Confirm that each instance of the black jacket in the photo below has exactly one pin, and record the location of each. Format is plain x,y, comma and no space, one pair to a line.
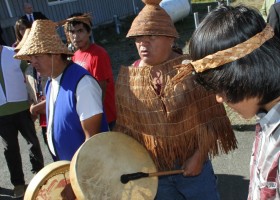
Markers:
36,15
2,42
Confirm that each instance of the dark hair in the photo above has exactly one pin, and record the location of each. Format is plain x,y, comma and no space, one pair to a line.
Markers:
254,75
177,49
19,23
74,23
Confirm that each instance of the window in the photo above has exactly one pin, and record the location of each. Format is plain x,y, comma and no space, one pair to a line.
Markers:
54,2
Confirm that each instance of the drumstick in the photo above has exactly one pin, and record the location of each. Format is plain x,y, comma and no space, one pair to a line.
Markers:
125,178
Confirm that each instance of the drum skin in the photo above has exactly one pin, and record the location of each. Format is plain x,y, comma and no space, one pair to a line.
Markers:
49,182
98,164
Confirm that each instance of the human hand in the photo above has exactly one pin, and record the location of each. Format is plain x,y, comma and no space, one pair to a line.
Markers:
42,98
33,110
68,193
193,165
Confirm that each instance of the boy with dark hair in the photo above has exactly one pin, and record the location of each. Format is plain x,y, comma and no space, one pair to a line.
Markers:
93,58
235,54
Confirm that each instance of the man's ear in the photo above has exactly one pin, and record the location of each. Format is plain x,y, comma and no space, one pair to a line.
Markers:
90,33
219,98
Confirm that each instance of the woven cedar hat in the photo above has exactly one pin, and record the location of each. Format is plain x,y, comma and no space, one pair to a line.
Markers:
152,20
24,38
84,18
42,39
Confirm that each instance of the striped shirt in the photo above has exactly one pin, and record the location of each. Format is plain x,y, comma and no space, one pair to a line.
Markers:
264,165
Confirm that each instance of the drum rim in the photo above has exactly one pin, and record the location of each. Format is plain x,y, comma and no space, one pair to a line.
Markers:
43,175
73,175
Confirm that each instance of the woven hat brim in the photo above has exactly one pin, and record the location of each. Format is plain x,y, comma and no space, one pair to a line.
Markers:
26,55
143,33
23,40
152,20
42,39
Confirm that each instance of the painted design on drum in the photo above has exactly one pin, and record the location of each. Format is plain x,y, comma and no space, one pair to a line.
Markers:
53,187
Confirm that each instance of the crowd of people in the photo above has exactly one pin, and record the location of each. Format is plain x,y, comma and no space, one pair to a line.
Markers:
176,113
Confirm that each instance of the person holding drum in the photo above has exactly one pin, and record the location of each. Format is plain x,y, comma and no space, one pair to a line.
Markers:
73,97
236,54
180,126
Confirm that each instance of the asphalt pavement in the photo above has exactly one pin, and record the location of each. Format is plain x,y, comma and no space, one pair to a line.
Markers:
232,170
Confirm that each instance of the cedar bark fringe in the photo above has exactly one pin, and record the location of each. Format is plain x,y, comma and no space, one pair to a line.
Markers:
173,124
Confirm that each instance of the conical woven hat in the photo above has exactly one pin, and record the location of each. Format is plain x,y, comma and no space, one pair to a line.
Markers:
152,20
23,40
42,39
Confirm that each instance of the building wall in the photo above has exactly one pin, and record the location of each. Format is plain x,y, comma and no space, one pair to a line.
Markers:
102,11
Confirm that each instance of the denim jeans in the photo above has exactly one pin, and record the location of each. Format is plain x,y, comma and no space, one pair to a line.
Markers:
179,187
10,125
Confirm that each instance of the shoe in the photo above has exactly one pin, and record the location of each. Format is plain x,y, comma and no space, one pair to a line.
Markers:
19,191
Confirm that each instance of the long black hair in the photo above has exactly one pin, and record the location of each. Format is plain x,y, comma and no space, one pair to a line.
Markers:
254,75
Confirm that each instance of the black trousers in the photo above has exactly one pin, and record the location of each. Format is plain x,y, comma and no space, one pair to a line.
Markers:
10,125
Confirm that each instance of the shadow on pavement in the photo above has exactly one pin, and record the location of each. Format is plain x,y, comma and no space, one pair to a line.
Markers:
232,187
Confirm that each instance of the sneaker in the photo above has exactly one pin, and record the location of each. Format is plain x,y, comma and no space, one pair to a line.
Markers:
19,191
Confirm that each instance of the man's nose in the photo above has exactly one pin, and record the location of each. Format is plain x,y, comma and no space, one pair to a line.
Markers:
75,36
